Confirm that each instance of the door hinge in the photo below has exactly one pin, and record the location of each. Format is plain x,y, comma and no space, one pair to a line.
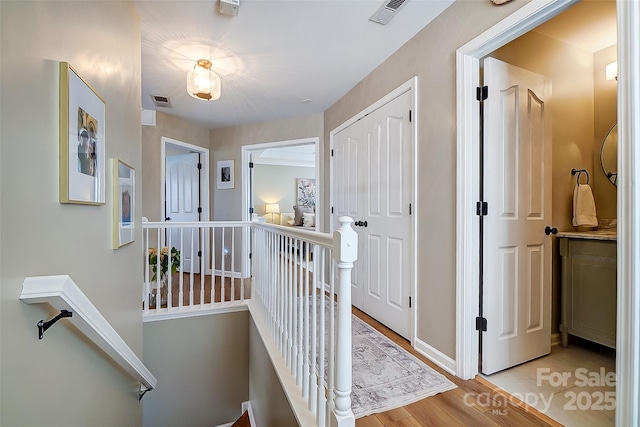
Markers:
409,302
199,210
331,209
199,165
409,208
199,253
481,324
250,165
250,210
249,255
482,208
409,116
332,152
482,93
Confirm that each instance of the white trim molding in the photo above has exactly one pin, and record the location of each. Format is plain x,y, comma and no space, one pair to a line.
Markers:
468,169
628,309
436,356
63,294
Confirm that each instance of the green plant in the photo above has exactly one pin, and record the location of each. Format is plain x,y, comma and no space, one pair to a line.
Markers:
164,261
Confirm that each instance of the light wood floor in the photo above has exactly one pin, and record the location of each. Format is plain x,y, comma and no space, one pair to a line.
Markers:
229,290
474,403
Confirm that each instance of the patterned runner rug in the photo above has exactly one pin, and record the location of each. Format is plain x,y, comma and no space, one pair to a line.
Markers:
385,376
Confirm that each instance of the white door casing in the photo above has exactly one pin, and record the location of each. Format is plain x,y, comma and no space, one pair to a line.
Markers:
182,203
372,183
517,188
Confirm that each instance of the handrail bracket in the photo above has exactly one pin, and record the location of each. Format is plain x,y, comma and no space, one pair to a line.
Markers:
43,326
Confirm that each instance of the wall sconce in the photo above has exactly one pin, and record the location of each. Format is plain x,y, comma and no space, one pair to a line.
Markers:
202,82
611,71
272,208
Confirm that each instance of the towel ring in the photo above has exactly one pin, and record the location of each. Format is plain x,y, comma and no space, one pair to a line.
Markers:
580,172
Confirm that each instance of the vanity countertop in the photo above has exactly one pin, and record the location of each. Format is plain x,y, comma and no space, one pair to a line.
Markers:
602,234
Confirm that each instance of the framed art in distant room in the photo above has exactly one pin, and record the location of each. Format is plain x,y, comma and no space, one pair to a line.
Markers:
224,174
82,140
306,192
124,184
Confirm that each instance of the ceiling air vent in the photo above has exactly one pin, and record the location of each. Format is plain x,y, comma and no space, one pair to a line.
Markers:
161,101
387,11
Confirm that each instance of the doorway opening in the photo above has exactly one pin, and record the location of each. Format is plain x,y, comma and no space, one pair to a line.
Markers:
184,178
281,165
566,151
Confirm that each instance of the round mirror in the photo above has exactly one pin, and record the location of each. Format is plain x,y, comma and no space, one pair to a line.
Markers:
609,155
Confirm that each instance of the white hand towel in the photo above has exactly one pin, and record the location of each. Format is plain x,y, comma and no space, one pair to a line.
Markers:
584,207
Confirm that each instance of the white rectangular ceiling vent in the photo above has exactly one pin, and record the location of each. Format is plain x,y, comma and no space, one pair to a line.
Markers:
387,11
161,101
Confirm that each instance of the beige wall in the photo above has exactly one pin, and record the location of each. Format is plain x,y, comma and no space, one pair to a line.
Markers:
430,55
226,144
605,116
63,379
572,105
205,372
268,400
277,184
170,127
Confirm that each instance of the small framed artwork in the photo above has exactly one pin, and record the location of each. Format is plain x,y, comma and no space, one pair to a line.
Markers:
224,174
124,184
82,142
307,192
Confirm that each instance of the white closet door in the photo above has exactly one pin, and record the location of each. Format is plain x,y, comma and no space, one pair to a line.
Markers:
372,182
347,166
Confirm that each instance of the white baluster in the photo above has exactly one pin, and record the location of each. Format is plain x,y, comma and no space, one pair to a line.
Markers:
321,408
345,252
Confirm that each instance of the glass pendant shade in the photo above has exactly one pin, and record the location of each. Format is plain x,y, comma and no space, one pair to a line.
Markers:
202,82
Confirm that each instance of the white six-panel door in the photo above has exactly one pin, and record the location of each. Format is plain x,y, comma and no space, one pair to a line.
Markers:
517,188
372,184
183,200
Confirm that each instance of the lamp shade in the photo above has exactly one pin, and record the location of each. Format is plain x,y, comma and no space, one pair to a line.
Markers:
202,82
272,208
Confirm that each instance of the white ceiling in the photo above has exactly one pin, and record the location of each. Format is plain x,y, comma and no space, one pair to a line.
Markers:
271,57
278,53
291,155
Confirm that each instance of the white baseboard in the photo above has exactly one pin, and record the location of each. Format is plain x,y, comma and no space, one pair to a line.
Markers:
246,406
436,356
228,273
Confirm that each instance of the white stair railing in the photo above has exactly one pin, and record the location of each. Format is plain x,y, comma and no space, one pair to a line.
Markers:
299,296
191,266
302,288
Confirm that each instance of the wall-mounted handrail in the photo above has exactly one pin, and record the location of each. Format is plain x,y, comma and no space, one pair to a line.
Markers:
63,294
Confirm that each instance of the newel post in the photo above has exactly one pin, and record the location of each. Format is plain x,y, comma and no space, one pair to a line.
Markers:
345,252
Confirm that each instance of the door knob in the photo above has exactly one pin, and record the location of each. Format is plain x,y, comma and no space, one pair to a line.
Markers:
168,218
358,223
548,230
365,224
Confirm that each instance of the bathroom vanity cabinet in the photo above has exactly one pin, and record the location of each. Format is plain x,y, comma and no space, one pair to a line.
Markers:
589,273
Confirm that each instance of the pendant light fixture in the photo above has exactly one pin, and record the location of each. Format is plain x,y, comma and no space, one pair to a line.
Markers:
202,82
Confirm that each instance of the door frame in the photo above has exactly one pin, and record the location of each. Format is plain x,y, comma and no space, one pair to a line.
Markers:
204,182
410,85
246,151
467,236
245,156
